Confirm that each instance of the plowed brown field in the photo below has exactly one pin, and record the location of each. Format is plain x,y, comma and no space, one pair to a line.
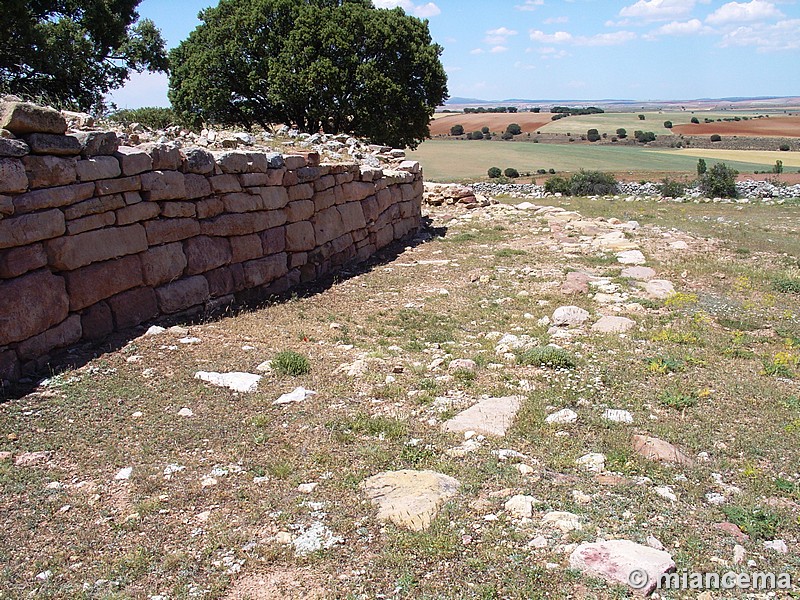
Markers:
766,127
529,122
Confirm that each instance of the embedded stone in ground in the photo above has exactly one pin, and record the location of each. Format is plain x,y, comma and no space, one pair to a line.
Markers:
631,257
520,506
562,417
492,416
570,315
238,382
576,283
614,241
563,521
408,498
638,273
611,324
660,289
659,450
623,562
618,415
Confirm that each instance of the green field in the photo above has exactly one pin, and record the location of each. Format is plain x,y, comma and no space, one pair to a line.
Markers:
653,121
456,160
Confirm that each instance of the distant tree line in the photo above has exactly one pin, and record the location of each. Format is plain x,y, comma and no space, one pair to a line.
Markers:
567,110
491,109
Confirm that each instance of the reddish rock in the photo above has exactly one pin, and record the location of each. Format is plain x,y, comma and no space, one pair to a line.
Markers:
163,185
26,229
300,237
732,529
204,253
264,270
243,247
300,210
49,171
241,202
71,252
96,321
253,179
13,178
176,210
303,191
221,281
324,183
135,213
294,161
576,283
161,231
133,161
163,264
18,261
98,167
23,117
273,197
133,307
658,450
97,143
210,207
225,184
243,224
273,240
199,161
53,197
30,305
166,157
182,294
352,216
60,336
90,223
328,225
197,186
325,199
9,366
99,281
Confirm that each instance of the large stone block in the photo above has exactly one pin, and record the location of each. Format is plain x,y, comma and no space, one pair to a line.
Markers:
18,261
166,157
133,161
358,190
6,206
94,206
242,202
91,222
232,161
26,229
9,366
76,251
97,143
221,282
135,213
182,294
205,253
199,161
328,225
274,197
172,210
133,307
119,186
325,199
13,178
370,208
352,216
13,148
53,197
264,270
243,247
302,191
98,167
225,184
254,179
161,231
300,210
23,117
243,224
163,185
97,321
30,305
197,186
58,145
324,183
294,161
210,207
60,336
300,237
273,240
99,281
49,171
163,264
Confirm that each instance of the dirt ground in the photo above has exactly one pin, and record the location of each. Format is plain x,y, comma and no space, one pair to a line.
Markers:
772,126
496,122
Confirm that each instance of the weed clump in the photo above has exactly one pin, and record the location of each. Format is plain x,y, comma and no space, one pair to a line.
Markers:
787,285
291,363
547,356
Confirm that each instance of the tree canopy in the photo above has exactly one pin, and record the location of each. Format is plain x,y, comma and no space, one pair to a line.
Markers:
342,66
71,52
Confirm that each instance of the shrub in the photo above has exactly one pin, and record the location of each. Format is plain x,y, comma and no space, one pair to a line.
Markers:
719,181
701,167
153,117
547,356
668,124
784,147
716,137
484,130
475,135
514,129
507,135
457,130
641,117
672,189
290,362
592,135
552,171
592,183
695,120
778,168
541,171
556,185
621,133
511,173
786,284
644,137
494,172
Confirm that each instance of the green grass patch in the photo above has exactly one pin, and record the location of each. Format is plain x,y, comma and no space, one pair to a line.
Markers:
365,424
786,284
758,523
291,363
677,400
547,356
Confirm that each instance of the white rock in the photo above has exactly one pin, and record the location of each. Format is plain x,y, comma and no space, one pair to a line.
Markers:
185,412
623,562
124,474
562,417
666,492
654,542
739,554
265,366
594,462
659,289
570,315
238,382
777,546
715,498
491,416
538,542
612,324
618,415
520,506
44,575
679,245
155,330
524,469
307,488
190,340
631,257
564,521
298,394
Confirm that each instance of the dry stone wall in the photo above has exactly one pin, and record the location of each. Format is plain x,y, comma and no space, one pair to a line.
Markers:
96,237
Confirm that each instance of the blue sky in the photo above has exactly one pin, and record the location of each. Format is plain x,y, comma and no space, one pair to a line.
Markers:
576,49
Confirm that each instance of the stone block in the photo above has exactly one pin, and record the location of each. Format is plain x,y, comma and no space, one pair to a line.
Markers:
275,176
328,225
163,185
205,253
197,186
57,145
94,206
9,366
90,223
210,207
13,148
294,161
274,197
49,171
232,161
297,259
369,207
182,294
274,160
97,143
242,202
384,236
166,157
258,162
30,305
407,209
300,210
135,213
273,240
26,229
325,199
290,179
264,270
306,174
23,117
323,183
13,178
99,281
133,307
302,191
72,252
6,206
162,231
221,281
243,247
352,216
225,184
300,237
243,224
358,190
254,179
98,167
199,161
62,335
53,197
173,210
118,186
96,321
18,261
133,161
132,197
163,264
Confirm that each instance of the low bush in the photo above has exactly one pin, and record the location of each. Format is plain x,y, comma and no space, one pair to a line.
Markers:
695,120
514,129
475,135
457,130
622,133
592,135
670,188
716,137
668,124
592,183
556,185
494,172
152,117
786,284
511,173
719,181
784,147
547,356
290,362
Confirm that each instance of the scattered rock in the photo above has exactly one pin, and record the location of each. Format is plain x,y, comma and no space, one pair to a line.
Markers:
658,450
623,562
238,382
30,459
777,546
733,530
298,394
576,283
610,324
739,554
408,498
638,273
562,417
617,415
6,456
594,462
564,521
570,315
491,416
520,506
631,257
124,474
659,289
666,492
185,412
654,542
462,364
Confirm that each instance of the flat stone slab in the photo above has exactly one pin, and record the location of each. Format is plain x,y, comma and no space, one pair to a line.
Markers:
408,498
623,562
611,324
639,273
238,382
614,241
658,450
569,315
659,289
631,257
492,416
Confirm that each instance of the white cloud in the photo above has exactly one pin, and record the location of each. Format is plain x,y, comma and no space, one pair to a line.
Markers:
559,37
691,27
548,52
530,5
499,49
556,20
658,10
765,38
477,51
744,12
521,66
418,10
495,37
600,39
